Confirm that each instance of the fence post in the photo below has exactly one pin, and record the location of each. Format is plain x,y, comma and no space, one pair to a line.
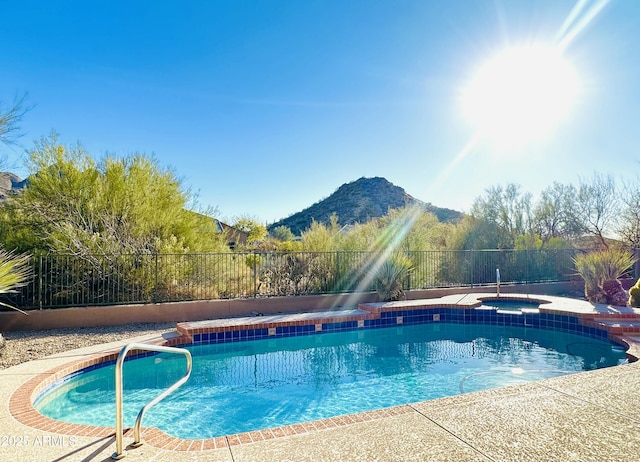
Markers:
528,274
473,265
636,266
406,253
156,291
255,274
336,274
40,282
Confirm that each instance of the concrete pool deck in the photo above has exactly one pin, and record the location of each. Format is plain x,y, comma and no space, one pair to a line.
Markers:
589,416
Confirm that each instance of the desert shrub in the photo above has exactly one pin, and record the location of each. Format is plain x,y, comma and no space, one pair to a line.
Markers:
600,271
634,295
15,271
390,277
294,273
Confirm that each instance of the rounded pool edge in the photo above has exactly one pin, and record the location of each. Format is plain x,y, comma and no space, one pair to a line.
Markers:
22,409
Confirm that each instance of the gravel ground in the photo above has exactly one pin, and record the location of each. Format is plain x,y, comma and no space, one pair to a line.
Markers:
21,347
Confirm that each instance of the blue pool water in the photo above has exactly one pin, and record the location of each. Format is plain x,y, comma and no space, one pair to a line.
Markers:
246,386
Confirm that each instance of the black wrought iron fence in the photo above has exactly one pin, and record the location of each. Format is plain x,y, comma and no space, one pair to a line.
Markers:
65,280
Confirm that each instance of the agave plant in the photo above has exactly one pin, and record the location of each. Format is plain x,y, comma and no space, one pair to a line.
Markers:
600,271
390,277
15,272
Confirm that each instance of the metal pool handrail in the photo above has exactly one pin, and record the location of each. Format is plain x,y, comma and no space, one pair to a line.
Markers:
120,453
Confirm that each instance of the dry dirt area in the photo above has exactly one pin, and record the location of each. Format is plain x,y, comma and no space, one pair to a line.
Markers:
26,346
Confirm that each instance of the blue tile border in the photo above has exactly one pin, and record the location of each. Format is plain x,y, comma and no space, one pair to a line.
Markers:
477,315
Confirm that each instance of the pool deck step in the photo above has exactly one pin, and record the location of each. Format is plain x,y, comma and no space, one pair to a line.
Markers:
623,325
615,320
258,321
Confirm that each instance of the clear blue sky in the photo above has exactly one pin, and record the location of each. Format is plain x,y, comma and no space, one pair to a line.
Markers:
265,107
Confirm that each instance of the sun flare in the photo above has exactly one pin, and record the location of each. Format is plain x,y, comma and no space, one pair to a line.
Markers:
520,95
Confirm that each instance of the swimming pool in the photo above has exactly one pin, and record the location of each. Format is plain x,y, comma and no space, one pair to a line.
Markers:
249,385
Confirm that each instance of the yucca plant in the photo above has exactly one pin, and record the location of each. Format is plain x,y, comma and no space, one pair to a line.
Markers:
600,271
15,272
391,276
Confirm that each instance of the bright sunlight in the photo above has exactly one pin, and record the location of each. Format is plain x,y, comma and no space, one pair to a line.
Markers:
520,95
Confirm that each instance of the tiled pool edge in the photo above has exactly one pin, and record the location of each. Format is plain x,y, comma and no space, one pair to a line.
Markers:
22,409
379,315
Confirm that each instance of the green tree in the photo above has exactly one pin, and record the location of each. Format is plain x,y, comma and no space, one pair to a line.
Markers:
322,238
554,215
506,211
405,228
129,205
109,217
416,229
473,233
256,231
283,233
361,236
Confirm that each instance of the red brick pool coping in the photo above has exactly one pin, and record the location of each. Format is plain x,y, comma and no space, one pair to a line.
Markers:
21,408
620,325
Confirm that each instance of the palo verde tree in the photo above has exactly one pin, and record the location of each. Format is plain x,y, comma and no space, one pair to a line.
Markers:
116,206
282,233
103,213
320,237
255,230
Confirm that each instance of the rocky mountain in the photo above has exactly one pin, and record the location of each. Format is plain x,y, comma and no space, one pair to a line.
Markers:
359,202
10,185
